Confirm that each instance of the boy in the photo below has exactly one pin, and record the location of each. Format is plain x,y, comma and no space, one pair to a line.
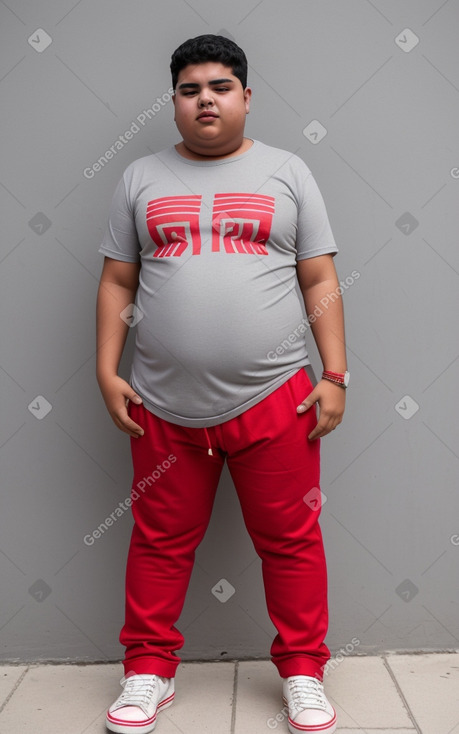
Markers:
209,237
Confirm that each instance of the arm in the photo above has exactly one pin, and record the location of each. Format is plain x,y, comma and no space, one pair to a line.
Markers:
117,289
318,280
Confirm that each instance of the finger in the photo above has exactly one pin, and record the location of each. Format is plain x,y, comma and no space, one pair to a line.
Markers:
317,433
134,398
132,434
322,429
308,402
134,428
127,425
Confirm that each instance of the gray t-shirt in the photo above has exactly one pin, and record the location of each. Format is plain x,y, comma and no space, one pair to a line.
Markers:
221,325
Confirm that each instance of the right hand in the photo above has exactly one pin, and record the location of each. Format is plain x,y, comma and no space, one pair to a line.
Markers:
116,393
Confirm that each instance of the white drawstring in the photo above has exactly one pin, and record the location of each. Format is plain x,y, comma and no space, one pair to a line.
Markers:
209,450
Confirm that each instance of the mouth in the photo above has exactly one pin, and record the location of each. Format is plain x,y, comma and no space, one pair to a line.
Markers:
207,116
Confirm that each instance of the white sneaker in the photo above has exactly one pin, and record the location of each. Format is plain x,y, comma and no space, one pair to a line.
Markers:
135,710
308,707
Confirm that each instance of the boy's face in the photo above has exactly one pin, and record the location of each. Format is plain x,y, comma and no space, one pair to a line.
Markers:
210,108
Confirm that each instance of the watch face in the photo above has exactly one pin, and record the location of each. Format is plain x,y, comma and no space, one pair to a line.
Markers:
346,379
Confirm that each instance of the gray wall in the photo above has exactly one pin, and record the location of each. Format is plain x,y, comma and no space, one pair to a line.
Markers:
388,168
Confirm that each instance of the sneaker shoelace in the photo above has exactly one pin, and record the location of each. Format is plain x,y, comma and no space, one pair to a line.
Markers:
307,694
138,692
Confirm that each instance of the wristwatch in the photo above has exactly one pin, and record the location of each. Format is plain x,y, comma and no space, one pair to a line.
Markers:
339,378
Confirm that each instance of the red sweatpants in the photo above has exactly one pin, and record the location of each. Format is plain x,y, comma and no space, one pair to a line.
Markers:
275,469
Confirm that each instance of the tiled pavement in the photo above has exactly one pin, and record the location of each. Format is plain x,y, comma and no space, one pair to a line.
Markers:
394,693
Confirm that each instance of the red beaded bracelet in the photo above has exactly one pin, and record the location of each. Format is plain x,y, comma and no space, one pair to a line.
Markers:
339,378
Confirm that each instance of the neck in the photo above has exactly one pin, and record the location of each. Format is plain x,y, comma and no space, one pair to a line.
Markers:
198,154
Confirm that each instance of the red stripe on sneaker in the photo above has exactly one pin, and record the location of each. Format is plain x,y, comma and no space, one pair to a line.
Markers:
328,726
134,724
166,700
312,728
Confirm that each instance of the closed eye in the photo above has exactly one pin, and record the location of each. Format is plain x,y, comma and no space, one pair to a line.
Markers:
191,92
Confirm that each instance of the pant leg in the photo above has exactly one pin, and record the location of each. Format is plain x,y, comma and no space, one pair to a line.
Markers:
173,491
274,466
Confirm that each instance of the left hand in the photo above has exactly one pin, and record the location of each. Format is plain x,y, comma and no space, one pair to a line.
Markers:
331,399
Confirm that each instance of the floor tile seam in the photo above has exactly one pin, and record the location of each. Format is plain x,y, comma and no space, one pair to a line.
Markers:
234,701
14,689
401,694
203,661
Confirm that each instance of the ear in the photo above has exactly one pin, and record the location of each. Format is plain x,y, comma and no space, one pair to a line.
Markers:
247,98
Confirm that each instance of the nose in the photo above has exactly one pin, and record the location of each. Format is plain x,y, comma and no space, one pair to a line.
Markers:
205,98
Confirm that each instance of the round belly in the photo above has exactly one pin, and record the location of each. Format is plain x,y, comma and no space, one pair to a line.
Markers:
227,326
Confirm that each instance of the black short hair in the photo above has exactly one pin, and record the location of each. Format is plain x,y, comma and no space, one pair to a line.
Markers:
210,48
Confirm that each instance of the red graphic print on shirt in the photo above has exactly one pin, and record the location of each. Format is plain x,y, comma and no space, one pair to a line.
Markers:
173,224
242,223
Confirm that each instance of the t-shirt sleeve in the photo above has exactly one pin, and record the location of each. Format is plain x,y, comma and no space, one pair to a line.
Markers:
314,233
120,240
